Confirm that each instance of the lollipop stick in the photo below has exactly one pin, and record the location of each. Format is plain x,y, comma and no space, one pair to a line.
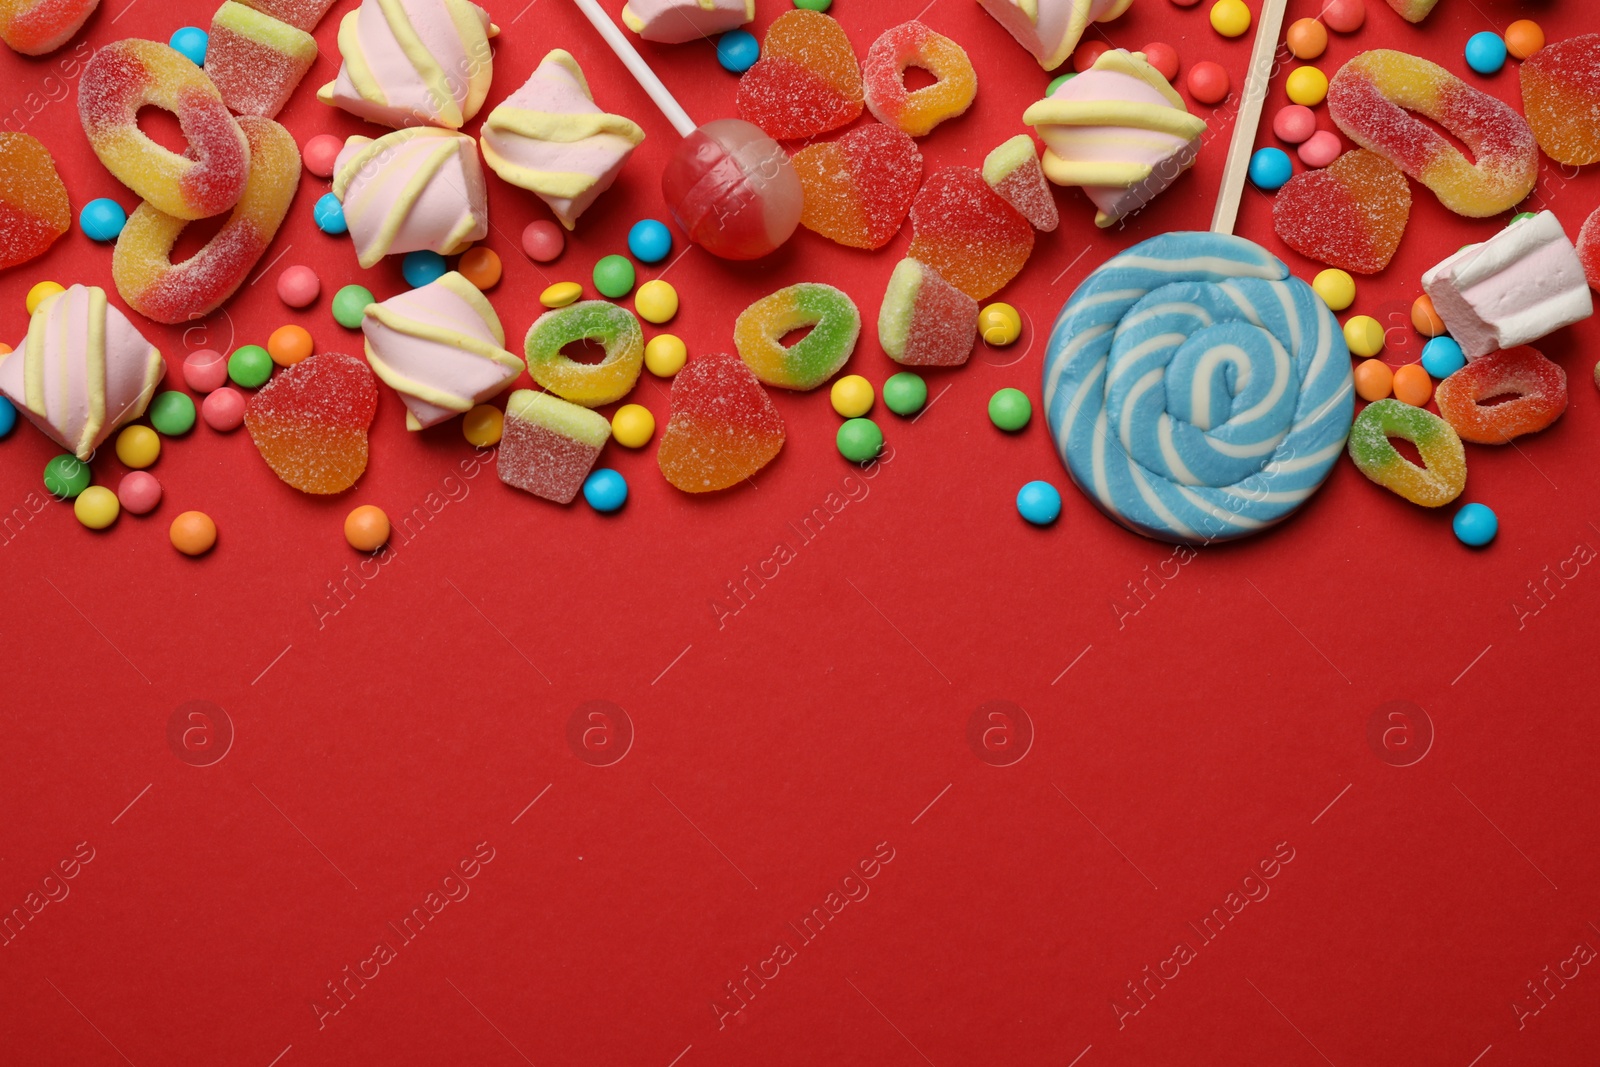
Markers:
638,67
1262,56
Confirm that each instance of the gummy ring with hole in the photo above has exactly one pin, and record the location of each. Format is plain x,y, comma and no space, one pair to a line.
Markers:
913,44
1432,486
1538,385
1369,99
127,75
589,384
835,325
160,290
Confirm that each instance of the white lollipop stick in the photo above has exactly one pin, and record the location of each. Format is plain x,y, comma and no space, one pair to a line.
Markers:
1262,55
641,70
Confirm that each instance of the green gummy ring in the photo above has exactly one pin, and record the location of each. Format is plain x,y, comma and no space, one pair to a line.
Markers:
835,326
589,384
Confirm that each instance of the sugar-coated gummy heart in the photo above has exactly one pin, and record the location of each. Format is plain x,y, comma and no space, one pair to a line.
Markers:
859,188
1537,386
924,320
1434,485
1561,97
310,422
1350,214
413,62
724,427
160,290
38,27
589,384
1413,10
807,81
917,112
256,60
548,445
835,324
125,76
1370,99
1589,249
33,203
965,231
1013,171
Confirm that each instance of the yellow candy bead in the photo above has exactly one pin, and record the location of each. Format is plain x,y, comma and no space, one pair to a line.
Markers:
852,396
633,426
1364,335
561,294
1307,85
665,355
37,294
96,507
999,324
138,447
1230,17
483,426
1336,287
656,301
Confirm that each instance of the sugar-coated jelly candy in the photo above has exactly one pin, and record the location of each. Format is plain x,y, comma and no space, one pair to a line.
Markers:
38,27
310,422
1537,389
1561,97
835,325
966,232
917,112
1413,10
1351,214
733,190
418,62
807,81
33,203
859,188
1434,485
256,60
724,427
301,14
1589,249
548,446
924,320
589,384
1013,171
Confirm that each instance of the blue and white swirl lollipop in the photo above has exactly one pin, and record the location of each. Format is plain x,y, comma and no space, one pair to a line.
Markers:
1195,390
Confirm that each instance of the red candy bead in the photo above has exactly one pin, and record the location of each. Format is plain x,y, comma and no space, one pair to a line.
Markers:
1087,53
543,241
1321,149
1294,124
205,370
320,152
1209,82
223,410
299,286
1163,57
1344,16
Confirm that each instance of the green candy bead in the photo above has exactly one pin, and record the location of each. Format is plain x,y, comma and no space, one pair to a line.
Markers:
813,5
905,393
350,303
1522,215
172,412
613,276
860,440
66,476
1010,409
1055,83
250,366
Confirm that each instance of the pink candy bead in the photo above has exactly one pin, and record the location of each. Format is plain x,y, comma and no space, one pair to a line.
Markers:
138,492
205,370
1322,148
298,286
320,152
223,410
1344,16
1294,123
543,241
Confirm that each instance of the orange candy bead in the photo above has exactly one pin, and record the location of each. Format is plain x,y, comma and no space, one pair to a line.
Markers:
367,528
480,266
1412,385
1307,38
1374,379
1524,37
1424,318
288,345
193,533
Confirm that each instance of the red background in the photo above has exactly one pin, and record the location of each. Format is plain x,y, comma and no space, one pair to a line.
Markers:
1175,741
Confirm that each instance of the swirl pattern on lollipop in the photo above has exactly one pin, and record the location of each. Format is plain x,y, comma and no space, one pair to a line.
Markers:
1196,391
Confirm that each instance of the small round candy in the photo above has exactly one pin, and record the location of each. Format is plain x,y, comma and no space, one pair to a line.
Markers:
138,446
1344,16
8,418
1412,385
905,393
1270,168
665,355
813,5
1306,86
1087,54
656,301
299,286
1425,318
859,440
96,507
1010,409
560,294
1307,38
102,219
1486,52
1524,37
422,267
1185,3
290,344
1320,149
480,266
737,51
1336,287
1231,18
613,276
192,42
205,370
329,215
320,153
999,324
138,492
1364,335
483,426
223,410
350,304
39,292
633,426
1374,380
366,528
543,240
851,396
1208,82
250,366
605,490
1294,123
1163,57
1475,525
65,476
192,533
1518,217
172,413
1442,357
1058,81
1039,503
650,241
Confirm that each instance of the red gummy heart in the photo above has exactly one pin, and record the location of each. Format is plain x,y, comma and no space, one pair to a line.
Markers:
723,429
33,202
806,83
310,422
859,188
1351,214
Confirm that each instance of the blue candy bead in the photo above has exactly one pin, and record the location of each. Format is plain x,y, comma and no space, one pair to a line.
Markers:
1442,357
649,241
102,219
738,51
192,42
605,490
1270,169
1486,52
329,214
1039,503
1475,525
8,418
420,268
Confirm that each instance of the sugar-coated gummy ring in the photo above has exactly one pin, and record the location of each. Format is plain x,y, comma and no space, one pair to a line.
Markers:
605,490
1431,486
917,112
737,51
650,241
589,384
102,219
1442,357
350,303
859,440
905,393
1270,169
1486,52
423,267
1475,525
192,42
1256,397
1536,386
1039,503
835,324
328,214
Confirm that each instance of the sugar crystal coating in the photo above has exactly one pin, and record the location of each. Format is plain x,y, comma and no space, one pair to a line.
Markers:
310,422
38,27
1537,388
966,232
1561,97
256,60
835,325
859,188
1013,171
1434,485
548,446
33,203
1350,215
724,428
924,320
807,81
589,384
912,44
